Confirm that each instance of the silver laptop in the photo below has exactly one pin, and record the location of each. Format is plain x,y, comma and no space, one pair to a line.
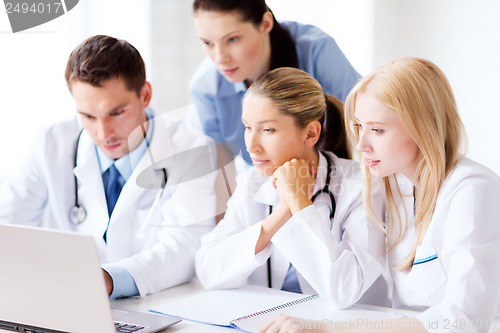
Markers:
51,281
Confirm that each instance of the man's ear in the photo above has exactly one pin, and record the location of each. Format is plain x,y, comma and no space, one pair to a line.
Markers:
312,133
146,93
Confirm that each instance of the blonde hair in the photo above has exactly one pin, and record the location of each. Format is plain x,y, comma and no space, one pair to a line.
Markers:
296,93
418,91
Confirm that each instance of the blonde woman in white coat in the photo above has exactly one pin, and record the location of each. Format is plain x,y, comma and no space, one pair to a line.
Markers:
278,230
443,230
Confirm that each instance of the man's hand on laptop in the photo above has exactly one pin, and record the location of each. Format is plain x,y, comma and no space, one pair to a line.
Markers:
109,282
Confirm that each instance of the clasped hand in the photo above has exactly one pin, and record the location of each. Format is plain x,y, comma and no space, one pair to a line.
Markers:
295,181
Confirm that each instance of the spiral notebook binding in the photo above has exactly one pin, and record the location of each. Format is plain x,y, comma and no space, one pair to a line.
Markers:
279,307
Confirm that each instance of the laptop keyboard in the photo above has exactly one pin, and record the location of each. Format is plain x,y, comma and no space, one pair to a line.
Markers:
126,328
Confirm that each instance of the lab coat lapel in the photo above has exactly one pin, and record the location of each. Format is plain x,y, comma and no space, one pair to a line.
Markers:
342,186
160,148
133,193
90,187
266,194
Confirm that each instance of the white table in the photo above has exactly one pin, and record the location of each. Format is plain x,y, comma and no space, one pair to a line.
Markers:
189,289
146,303
193,288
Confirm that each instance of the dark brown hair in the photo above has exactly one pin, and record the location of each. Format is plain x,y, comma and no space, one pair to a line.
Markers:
283,53
100,58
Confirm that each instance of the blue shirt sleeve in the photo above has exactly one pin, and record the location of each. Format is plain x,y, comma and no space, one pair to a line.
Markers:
320,56
203,90
123,283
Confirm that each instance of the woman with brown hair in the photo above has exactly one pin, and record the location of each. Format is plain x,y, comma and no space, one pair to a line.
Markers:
242,40
296,220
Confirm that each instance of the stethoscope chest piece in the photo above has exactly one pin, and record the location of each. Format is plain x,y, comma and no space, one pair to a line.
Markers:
77,214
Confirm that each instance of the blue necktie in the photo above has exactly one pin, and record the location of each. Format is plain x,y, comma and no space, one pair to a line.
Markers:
291,282
113,183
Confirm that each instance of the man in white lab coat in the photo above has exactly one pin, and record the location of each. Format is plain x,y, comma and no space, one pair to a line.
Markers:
120,173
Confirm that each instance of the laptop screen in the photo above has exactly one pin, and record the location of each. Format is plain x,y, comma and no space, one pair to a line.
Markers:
52,280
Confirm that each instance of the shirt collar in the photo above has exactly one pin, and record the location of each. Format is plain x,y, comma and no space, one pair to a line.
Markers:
126,164
228,89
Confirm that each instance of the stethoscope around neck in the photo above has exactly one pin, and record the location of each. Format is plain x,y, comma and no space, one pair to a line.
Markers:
324,190
78,213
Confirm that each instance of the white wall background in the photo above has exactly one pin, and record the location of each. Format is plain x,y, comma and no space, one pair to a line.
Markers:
461,36
33,91
350,22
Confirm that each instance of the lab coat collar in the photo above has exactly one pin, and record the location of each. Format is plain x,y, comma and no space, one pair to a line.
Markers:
159,149
267,194
322,171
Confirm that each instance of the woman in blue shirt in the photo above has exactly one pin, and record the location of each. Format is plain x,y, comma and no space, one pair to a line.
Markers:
243,40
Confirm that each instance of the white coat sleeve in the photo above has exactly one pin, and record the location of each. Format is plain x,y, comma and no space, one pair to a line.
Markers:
24,197
226,257
339,271
470,259
170,260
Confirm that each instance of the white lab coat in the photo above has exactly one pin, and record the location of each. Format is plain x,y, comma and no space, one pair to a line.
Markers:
461,287
163,257
339,264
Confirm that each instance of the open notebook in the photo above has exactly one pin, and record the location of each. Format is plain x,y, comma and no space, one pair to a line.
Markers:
251,307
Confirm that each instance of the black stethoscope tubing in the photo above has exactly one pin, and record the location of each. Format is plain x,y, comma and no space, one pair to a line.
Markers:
74,166
77,213
326,190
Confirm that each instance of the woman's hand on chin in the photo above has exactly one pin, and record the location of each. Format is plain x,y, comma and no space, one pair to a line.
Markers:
295,183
